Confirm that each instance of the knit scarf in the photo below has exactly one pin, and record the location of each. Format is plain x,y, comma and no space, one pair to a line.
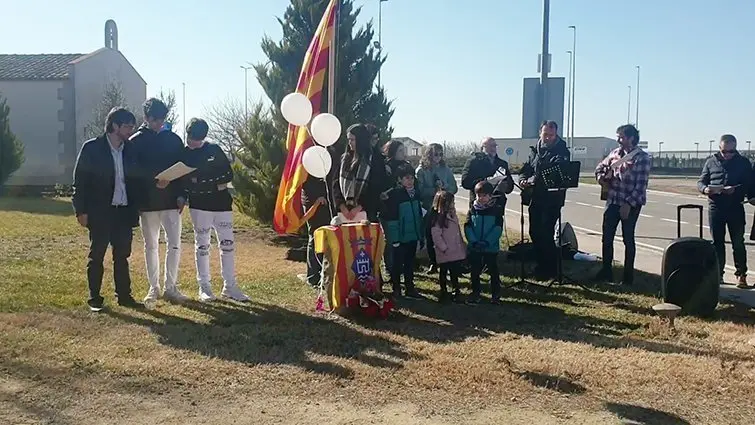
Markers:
353,182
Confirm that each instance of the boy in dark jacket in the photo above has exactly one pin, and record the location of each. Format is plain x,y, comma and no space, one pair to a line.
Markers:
404,230
210,207
161,202
483,230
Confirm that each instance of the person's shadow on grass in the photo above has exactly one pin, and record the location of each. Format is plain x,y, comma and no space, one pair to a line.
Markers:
254,333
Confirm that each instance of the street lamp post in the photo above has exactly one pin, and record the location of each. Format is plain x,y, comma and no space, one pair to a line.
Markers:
183,100
710,147
246,90
573,79
660,161
568,101
748,146
637,103
629,104
380,33
697,150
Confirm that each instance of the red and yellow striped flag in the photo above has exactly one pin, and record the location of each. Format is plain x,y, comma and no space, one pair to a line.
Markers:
289,217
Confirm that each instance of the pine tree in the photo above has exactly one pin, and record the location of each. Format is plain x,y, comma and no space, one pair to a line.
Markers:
357,99
11,149
112,97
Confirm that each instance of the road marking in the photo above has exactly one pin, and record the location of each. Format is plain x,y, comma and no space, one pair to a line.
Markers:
645,215
673,221
583,204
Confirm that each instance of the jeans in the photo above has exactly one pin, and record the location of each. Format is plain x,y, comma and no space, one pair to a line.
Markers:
733,217
611,220
151,223
478,260
112,228
542,227
222,222
314,260
403,263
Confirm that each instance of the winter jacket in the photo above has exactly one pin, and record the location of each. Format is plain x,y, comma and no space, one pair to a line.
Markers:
449,244
735,171
155,152
402,217
479,167
213,169
427,183
542,157
484,228
369,198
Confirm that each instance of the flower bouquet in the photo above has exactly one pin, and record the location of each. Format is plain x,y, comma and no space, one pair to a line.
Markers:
366,299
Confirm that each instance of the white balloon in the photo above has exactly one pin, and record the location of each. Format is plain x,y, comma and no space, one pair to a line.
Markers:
316,160
296,109
326,129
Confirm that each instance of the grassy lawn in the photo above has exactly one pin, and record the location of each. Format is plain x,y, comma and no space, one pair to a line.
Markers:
570,355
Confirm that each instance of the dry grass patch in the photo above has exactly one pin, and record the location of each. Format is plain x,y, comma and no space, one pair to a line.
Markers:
571,355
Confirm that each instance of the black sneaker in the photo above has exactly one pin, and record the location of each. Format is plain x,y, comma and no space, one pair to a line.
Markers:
413,294
495,301
444,298
473,299
396,291
604,275
95,306
459,299
129,302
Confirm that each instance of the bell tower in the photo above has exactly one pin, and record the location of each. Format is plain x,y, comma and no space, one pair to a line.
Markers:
111,35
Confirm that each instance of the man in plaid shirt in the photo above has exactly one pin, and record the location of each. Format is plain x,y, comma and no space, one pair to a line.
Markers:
624,174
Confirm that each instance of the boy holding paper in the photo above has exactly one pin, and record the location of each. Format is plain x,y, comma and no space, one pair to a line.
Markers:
725,179
210,206
162,201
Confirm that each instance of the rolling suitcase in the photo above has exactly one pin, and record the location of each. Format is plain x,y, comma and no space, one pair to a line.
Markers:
690,276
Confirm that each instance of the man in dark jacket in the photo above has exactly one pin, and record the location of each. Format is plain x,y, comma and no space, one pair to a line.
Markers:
726,179
105,183
483,165
162,201
544,205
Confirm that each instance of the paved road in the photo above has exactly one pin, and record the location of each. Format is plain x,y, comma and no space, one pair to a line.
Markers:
656,227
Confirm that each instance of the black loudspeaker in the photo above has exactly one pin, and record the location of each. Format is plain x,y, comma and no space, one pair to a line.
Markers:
690,275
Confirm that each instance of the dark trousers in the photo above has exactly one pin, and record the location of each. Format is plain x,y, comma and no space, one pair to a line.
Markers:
112,228
733,217
403,263
314,260
611,220
429,240
542,228
387,255
479,260
454,269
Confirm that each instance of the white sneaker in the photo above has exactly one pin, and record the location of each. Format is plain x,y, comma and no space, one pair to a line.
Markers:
205,293
152,295
173,294
233,292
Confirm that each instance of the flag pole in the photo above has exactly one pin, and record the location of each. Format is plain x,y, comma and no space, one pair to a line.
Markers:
332,63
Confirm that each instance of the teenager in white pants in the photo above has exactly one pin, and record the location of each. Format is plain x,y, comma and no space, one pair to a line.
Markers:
162,202
210,207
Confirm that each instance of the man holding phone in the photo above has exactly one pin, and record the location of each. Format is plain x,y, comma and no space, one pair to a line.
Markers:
726,179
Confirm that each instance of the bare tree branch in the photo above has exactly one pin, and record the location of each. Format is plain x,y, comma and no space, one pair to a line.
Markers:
227,123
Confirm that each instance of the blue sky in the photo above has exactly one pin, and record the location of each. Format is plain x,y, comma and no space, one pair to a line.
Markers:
454,67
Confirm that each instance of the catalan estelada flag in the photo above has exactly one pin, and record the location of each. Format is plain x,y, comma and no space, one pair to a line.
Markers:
354,252
288,216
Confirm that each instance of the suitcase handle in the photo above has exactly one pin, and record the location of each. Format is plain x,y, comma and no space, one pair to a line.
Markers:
679,209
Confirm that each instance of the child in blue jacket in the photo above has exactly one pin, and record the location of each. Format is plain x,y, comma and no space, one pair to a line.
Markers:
402,215
483,230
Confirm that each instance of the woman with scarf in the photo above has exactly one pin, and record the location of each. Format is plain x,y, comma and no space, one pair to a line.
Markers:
361,180
433,175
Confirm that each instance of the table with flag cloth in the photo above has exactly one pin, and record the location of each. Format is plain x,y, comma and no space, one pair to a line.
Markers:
352,255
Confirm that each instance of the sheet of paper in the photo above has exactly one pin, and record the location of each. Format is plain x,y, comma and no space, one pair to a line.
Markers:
175,171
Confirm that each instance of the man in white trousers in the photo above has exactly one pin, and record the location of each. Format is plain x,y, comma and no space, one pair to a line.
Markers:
161,201
210,206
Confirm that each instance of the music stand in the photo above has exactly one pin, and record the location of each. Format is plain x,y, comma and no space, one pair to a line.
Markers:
522,277
560,177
